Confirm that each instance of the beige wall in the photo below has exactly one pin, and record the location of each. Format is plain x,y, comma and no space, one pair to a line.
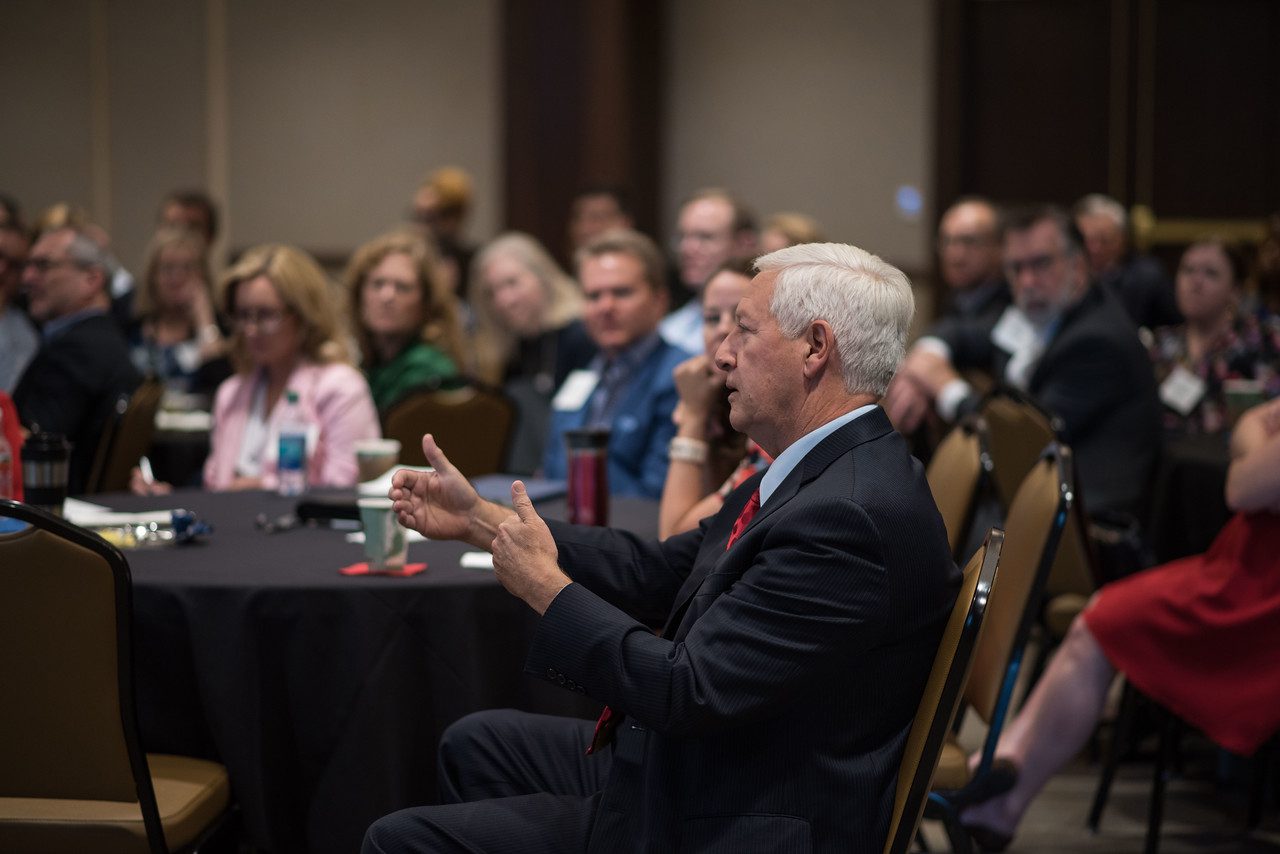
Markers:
821,106
312,121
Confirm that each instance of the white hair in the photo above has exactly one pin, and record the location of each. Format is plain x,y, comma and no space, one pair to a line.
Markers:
1098,204
867,301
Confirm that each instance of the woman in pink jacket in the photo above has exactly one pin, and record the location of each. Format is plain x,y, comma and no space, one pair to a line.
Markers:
286,337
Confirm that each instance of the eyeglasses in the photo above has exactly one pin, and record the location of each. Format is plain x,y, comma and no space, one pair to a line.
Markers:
44,265
1036,264
266,320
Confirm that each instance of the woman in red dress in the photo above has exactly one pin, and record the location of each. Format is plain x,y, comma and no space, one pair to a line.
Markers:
1197,635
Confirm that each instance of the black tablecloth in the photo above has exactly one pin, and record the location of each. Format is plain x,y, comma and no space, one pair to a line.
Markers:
324,695
1189,505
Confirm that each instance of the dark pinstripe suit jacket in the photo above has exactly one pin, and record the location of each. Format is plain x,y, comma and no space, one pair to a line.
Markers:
772,712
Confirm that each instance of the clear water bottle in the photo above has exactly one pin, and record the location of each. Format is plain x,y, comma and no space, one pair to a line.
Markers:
6,464
292,466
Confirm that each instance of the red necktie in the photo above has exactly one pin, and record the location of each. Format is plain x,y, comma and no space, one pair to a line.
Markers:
744,518
609,719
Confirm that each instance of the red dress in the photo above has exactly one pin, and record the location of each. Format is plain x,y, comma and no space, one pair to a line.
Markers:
1201,635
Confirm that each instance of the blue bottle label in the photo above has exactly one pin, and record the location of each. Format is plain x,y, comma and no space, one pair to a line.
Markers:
293,452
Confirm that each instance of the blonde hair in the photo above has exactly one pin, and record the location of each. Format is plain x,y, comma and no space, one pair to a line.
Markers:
797,228
144,303
441,327
494,342
305,291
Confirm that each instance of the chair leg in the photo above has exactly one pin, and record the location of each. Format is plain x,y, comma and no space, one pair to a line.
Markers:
1259,772
961,841
1111,760
921,842
1155,810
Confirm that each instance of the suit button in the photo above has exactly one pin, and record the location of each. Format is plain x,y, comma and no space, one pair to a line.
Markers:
551,673
560,679
570,684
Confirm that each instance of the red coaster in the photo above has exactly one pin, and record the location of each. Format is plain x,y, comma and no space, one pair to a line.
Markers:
363,569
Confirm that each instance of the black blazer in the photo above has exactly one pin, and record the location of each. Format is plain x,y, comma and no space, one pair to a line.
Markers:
72,385
1096,376
771,713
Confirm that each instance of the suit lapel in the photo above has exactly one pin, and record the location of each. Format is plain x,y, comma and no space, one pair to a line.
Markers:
870,426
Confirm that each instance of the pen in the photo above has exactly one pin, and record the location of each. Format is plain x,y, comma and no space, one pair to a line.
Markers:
144,466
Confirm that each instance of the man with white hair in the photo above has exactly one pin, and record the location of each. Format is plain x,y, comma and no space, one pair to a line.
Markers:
82,368
798,624
1137,281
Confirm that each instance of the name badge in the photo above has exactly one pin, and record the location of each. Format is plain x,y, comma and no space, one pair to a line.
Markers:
1182,391
575,391
1014,333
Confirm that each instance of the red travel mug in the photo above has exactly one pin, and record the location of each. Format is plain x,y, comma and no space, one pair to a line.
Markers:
588,476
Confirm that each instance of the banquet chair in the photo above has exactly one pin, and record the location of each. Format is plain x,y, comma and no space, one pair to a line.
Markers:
472,424
1169,727
126,437
74,776
1018,429
1033,529
942,692
959,475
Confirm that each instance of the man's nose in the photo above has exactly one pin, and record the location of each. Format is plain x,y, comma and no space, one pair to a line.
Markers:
723,357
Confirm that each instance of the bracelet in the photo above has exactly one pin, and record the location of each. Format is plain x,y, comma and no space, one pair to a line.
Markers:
687,449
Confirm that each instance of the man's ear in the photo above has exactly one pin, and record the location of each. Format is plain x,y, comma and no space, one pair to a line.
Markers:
822,347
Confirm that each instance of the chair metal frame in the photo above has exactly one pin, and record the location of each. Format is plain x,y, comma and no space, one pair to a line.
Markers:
122,591
947,804
951,666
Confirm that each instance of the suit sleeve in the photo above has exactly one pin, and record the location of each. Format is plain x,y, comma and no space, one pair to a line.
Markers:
811,602
1092,377
57,392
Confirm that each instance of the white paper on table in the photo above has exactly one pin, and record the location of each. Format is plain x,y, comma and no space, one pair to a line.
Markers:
195,421
381,485
88,515
476,560
410,535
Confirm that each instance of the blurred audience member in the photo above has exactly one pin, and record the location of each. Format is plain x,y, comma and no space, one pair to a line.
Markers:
286,337
120,283
1065,343
789,229
714,228
18,339
440,209
969,262
529,335
1214,344
628,388
82,367
596,209
192,210
405,317
1136,280
1197,635
175,335
709,459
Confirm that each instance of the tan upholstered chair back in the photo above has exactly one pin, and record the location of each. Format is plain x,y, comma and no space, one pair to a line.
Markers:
61,735
942,694
1033,528
126,438
471,424
1017,432
957,472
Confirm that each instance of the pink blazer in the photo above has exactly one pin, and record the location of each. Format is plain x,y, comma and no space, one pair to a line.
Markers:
334,398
